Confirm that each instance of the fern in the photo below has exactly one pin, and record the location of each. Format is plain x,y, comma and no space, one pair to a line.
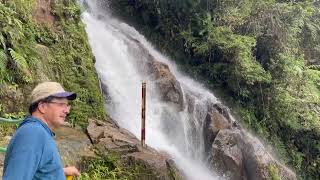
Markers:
3,60
314,67
3,63
3,42
23,7
20,61
22,65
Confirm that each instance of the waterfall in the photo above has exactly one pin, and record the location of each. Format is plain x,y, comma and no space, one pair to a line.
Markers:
118,49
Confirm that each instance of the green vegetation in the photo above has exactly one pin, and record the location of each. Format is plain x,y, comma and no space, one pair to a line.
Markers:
103,168
34,50
263,54
274,172
52,47
111,167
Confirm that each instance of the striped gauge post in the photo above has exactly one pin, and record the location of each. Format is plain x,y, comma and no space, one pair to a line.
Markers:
143,115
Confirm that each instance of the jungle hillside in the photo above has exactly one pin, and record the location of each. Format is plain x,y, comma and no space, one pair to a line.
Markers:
262,57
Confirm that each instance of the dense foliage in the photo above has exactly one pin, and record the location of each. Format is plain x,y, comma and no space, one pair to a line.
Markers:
33,50
111,167
265,54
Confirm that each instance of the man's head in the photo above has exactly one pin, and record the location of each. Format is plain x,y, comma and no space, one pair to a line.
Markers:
49,102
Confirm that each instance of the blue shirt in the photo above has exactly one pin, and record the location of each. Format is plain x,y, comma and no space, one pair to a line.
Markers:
32,153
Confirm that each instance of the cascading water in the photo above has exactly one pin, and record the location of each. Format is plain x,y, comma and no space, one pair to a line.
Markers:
118,49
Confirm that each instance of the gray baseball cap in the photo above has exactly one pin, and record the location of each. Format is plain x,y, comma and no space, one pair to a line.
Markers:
46,89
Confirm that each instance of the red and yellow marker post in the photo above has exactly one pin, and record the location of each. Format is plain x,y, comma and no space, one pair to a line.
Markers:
143,116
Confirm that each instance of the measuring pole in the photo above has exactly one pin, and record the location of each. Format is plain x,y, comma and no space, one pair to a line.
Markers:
143,115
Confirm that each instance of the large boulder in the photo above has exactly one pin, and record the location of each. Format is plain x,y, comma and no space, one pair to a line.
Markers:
217,118
238,155
110,138
235,153
227,154
213,123
167,85
74,146
259,162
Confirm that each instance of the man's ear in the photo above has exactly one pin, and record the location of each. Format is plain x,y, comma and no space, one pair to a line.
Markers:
42,107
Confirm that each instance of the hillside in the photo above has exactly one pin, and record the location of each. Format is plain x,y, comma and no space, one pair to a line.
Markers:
262,57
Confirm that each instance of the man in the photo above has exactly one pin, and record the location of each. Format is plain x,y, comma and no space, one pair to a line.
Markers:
32,152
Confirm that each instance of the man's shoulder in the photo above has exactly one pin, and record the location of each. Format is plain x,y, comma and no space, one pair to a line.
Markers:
33,127
28,136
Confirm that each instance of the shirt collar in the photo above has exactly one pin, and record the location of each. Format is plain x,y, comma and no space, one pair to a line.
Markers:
34,119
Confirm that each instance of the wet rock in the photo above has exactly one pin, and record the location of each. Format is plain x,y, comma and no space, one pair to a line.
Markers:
120,141
241,156
227,154
234,152
167,85
257,160
214,122
225,112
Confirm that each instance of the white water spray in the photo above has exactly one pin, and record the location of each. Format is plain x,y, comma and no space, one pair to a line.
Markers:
115,47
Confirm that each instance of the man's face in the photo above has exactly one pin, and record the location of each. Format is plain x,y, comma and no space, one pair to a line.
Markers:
56,112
